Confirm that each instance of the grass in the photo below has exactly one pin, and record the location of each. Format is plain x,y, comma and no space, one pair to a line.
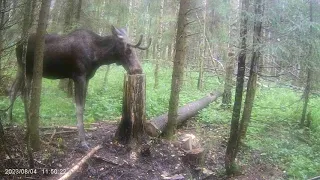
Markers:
273,129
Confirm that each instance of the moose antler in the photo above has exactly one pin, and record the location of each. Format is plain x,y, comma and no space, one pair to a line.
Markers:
147,46
139,42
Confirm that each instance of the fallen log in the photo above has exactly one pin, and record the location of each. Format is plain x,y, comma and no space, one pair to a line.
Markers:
69,127
80,163
155,126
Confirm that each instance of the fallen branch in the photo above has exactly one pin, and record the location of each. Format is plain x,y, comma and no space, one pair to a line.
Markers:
54,133
155,126
80,163
60,132
106,160
68,127
51,145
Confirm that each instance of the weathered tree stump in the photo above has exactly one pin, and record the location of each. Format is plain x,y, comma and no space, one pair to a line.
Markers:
155,126
194,157
133,109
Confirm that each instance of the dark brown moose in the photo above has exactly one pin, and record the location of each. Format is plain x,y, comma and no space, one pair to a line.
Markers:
77,56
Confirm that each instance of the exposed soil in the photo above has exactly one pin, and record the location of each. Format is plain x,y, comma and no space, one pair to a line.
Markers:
161,159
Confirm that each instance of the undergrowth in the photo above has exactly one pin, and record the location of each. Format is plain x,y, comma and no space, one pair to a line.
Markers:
273,128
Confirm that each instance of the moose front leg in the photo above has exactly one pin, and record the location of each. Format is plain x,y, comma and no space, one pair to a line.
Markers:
80,84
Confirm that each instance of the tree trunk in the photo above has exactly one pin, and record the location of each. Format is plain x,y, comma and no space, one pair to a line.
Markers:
159,47
178,67
252,82
169,56
68,18
309,72
78,11
27,23
306,97
148,27
37,75
154,49
232,146
202,48
132,29
2,23
105,79
2,138
230,58
156,125
133,110
67,84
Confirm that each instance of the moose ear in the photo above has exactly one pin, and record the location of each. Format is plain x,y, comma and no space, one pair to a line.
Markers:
116,32
123,32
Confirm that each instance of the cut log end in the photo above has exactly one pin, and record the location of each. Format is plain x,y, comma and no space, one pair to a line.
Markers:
151,129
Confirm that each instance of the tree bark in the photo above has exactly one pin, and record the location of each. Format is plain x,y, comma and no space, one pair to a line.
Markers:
2,23
37,75
132,29
78,11
230,58
159,47
202,48
306,97
232,146
178,68
255,61
309,73
133,110
156,125
105,79
26,25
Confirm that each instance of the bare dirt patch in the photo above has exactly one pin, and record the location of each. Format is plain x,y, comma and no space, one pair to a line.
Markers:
161,159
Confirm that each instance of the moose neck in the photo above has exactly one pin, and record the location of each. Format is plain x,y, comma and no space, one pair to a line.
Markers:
104,50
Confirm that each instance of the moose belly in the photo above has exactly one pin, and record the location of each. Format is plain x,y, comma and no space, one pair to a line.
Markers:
57,70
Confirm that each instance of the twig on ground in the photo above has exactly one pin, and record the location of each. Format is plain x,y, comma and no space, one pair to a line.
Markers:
80,163
53,146
54,132
106,160
60,132
40,163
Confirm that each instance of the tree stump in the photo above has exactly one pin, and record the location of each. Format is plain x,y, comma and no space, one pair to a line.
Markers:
194,157
133,109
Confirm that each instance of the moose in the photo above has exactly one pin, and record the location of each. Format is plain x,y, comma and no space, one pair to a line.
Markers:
77,56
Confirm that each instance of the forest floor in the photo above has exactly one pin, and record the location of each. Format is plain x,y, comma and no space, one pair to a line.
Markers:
164,160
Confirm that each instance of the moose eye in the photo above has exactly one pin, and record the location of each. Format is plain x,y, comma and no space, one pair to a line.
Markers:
128,51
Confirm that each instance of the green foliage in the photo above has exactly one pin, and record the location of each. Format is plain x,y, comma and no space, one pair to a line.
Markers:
274,130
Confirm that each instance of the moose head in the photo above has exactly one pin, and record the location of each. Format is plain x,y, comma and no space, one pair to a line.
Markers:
125,51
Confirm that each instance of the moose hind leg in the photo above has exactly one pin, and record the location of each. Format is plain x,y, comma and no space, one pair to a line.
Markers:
15,88
80,93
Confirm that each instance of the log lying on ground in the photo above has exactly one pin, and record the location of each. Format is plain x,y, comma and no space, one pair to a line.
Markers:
80,163
155,126
69,127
